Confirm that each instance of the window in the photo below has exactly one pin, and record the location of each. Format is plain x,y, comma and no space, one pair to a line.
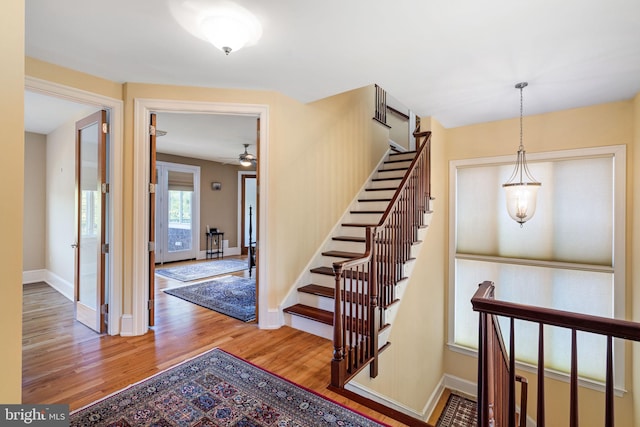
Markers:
569,256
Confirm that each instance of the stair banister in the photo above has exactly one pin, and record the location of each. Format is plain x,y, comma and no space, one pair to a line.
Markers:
484,302
388,246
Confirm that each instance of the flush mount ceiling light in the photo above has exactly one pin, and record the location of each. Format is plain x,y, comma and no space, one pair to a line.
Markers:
226,25
231,28
521,188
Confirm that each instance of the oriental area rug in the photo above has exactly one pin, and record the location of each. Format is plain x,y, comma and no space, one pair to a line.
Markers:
200,270
217,389
231,295
459,412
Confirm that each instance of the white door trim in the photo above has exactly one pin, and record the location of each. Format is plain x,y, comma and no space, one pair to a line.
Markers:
115,226
142,108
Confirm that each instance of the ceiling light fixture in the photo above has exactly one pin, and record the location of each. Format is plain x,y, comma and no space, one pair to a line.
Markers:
521,189
230,28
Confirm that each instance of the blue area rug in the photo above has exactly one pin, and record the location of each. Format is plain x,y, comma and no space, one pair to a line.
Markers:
230,295
200,270
218,389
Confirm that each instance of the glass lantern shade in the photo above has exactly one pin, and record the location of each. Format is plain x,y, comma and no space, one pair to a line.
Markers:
521,200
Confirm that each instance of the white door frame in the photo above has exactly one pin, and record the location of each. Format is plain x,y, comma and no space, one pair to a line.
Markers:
115,213
137,324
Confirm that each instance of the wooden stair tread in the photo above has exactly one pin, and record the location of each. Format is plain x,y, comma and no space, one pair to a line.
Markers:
349,239
328,271
375,200
313,289
312,313
381,189
357,224
366,212
391,178
343,254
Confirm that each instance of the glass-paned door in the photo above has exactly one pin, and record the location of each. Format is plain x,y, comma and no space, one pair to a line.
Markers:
177,212
90,246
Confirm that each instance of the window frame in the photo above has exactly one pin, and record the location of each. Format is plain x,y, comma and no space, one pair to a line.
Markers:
618,154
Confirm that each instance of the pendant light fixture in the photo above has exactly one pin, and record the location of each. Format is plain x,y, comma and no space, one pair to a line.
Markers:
521,189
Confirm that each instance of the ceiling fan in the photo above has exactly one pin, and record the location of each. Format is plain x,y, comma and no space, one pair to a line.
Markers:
247,159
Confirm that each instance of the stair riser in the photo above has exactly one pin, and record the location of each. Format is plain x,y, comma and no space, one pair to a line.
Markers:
380,194
392,173
351,231
326,280
310,326
385,183
316,301
372,206
364,218
394,163
339,245
399,156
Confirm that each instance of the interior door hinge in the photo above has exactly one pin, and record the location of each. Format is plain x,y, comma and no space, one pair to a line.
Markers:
105,188
105,248
150,304
105,128
104,308
152,188
152,246
152,130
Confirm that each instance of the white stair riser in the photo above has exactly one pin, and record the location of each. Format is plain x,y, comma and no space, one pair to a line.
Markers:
310,326
385,184
326,280
382,194
364,218
372,206
340,245
391,173
316,301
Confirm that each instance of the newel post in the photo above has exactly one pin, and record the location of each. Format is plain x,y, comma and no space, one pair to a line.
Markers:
338,363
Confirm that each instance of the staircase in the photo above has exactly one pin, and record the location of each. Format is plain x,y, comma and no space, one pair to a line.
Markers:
367,258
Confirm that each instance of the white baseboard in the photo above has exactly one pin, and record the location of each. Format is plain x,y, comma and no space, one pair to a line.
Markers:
270,319
384,400
33,276
126,325
61,285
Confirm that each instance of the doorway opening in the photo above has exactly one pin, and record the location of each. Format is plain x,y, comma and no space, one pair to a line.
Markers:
58,107
214,187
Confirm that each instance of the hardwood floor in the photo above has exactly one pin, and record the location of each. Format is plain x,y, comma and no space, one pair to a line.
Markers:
66,362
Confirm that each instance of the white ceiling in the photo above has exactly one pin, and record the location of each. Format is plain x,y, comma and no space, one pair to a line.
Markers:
457,61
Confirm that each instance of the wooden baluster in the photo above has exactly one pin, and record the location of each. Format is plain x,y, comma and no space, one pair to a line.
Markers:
540,412
573,394
512,373
483,383
609,384
374,313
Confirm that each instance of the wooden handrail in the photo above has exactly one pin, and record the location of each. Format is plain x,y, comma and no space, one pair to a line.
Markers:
617,328
372,278
484,302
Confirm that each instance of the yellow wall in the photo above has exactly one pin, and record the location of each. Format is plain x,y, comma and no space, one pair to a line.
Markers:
72,78
600,125
11,192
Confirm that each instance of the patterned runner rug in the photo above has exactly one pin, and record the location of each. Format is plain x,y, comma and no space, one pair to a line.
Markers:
231,295
459,412
217,389
201,270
